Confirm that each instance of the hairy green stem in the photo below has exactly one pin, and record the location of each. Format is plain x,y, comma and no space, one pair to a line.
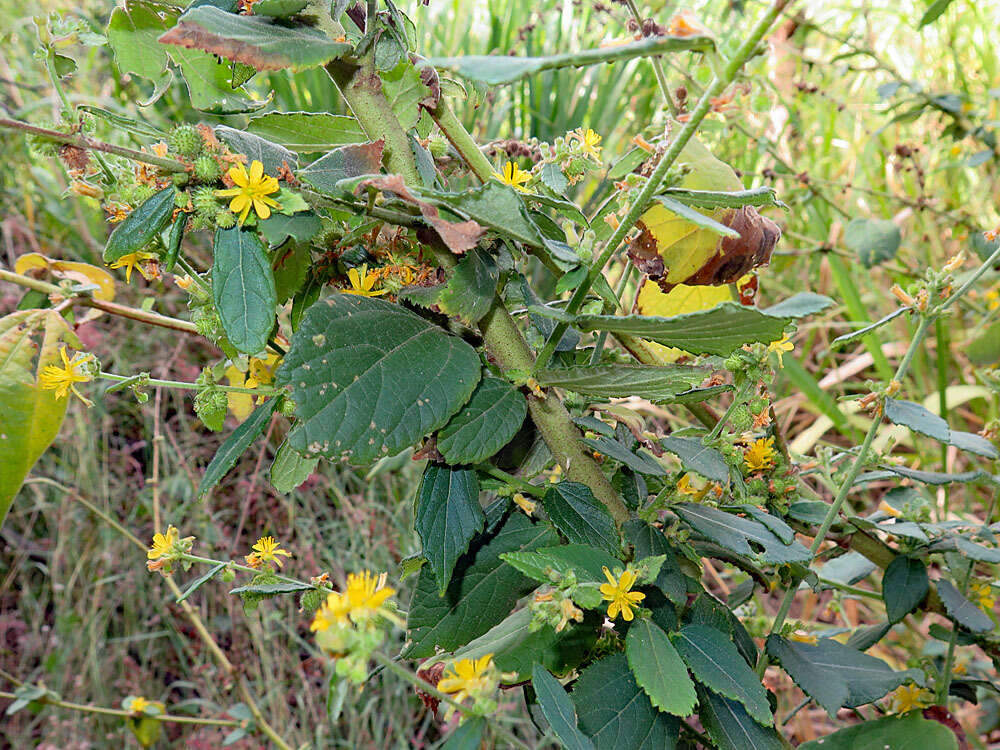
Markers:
716,87
155,382
661,76
164,163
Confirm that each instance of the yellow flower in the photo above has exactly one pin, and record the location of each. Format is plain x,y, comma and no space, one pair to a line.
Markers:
139,705
982,594
361,599
163,543
993,299
620,594
684,486
266,550
362,282
260,372
909,697
760,454
141,260
589,141
467,677
63,379
514,176
568,611
888,509
779,347
251,191
524,503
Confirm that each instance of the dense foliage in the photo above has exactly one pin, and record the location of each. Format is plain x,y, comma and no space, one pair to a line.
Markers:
615,521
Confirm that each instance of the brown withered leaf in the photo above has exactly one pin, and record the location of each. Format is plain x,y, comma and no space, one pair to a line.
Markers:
460,237
731,259
255,41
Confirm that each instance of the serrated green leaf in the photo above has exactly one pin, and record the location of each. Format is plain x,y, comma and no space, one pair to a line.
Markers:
209,83
760,196
343,163
904,732
448,516
236,444
659,384
582,560
659,670
713,659
482,592
961,610
731,727
697,457
469,291
141,226
133,33
904,586
828,669
255,41
278,8
255,148
243,289
720,330
642,463
558,710
498,69
800,305
365,395
616,714
517,647
486,424
919,419
579,515
735,533
404,90
492,205
290,468
467,736
307,132
202,580
934,11
272,589
291,265
874,240
301,227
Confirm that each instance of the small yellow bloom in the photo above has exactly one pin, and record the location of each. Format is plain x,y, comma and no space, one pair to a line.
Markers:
556,474
909,697
760,454
139,705
982,594
524,503
589,142
619,593
184,282
361,599
993,299
63,379
955,262
684,486
142,261
260,372
251,191
266,550
568,611
514,176
363,282
163,543
779,347
467,677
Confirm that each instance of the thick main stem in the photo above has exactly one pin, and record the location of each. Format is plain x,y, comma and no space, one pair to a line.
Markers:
501,335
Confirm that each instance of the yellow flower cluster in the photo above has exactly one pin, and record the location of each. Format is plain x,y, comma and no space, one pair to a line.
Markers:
361,599
760,454
910,697
166,548
514,176
471,678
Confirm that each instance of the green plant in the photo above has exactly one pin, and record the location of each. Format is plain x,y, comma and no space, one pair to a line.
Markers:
387,294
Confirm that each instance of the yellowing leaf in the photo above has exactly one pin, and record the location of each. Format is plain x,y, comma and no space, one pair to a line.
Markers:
40,266
679,300
30,417
674,250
